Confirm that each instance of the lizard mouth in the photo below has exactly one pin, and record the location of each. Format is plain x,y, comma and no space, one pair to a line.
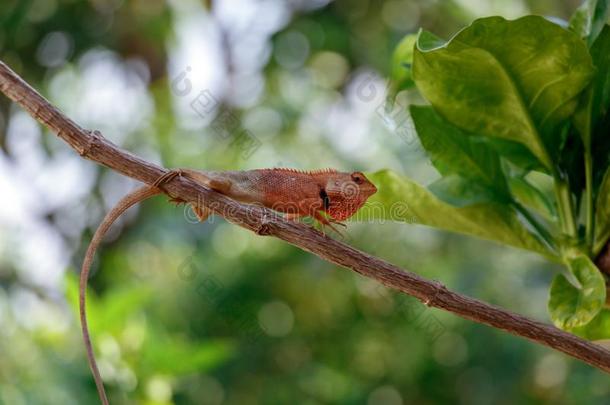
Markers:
371,189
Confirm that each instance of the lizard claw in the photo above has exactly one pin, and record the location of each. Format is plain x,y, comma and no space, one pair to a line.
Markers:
334,221
331,226
329,222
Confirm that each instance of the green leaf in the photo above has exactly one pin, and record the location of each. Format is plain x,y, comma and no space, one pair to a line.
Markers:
595,101
570,305
533,198
402,59
597,112
602,214
600,98
400,199
583,117
517,80
462,192
455,152
572,162
471,168
589,19
428,41
587,121
598,328
516,153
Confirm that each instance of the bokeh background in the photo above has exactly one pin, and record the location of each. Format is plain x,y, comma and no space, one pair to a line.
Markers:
190,313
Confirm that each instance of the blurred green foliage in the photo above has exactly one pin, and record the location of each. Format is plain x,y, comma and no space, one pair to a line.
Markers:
208,313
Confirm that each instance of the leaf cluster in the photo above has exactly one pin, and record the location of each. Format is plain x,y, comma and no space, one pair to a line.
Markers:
518,128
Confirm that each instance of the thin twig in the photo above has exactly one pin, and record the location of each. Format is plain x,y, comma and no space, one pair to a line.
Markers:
93,146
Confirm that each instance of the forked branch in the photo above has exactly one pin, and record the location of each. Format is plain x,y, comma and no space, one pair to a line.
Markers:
93,146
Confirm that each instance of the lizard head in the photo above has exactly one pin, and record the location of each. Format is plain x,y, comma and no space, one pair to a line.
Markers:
345,193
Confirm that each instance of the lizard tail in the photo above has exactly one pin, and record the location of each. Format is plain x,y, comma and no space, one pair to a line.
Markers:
125,203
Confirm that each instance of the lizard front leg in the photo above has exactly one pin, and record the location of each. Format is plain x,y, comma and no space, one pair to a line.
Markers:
325,222
311,207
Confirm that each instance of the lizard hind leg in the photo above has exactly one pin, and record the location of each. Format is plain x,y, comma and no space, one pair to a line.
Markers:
168,176
321,220
201,212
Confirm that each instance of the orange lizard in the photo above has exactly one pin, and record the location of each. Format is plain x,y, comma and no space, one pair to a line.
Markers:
293,192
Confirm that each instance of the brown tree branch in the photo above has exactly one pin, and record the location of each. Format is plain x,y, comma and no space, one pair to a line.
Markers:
93,146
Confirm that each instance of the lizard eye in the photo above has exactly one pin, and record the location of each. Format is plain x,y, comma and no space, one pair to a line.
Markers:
358,178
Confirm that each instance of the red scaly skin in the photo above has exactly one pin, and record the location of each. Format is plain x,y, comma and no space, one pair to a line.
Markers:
293,192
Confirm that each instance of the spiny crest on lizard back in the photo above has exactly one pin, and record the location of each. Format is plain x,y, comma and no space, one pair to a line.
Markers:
317,171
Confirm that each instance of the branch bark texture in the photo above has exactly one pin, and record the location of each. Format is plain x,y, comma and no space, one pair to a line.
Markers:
93,146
